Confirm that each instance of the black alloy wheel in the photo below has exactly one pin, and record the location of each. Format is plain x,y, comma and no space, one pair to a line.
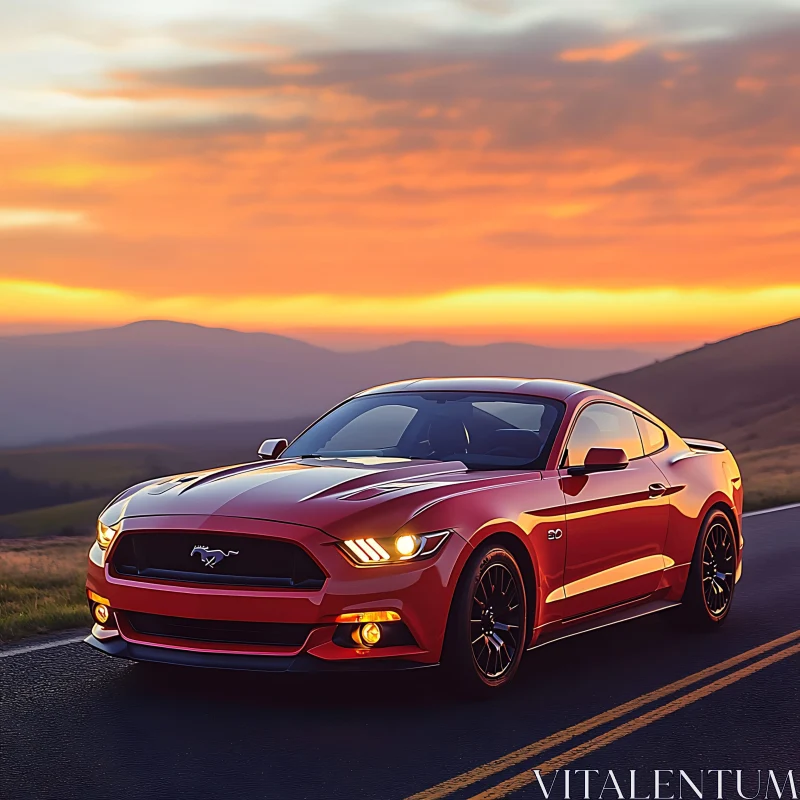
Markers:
710,586
487,626
495,620
719,566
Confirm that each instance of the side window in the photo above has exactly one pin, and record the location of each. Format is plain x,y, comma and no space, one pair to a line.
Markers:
603,425
375,429
653,438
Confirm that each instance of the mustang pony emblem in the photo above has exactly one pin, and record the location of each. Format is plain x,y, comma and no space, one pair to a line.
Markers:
211,558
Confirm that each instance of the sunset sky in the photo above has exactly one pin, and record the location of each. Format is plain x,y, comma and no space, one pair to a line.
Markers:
569,172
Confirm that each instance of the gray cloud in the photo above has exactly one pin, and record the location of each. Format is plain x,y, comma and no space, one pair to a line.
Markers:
786,183
638,183
493,7
516,86
526,239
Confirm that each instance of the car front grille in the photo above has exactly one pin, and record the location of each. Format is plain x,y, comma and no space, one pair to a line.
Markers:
215,558
272,634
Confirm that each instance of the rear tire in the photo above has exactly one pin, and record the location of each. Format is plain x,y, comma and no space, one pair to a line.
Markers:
710,586
487,626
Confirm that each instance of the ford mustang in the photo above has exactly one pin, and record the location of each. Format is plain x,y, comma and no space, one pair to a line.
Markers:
457,522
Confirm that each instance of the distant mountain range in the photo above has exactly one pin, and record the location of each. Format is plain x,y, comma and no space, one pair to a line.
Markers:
64,385
158,398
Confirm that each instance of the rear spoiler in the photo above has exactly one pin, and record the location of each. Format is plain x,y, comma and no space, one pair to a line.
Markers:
706,445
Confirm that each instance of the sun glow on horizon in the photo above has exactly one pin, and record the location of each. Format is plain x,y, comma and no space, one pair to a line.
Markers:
532,313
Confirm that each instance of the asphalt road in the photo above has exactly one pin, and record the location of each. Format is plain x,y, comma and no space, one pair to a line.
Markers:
77,724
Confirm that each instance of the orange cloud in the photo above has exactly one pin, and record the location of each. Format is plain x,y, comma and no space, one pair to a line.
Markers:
37,218
295,68
675,55
611,52
754,85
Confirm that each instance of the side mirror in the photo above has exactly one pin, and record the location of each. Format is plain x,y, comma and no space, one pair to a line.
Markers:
601,459
271,448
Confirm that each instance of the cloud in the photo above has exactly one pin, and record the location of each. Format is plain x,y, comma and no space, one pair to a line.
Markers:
616,51
637,183
445,163
546,84
27,218
493,7
786,183
538,240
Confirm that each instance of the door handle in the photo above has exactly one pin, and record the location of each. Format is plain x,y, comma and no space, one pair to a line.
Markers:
657,489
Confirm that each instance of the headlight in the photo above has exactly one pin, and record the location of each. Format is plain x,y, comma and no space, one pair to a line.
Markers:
105,534
406,547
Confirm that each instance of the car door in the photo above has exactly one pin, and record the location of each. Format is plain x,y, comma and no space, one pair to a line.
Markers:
616,521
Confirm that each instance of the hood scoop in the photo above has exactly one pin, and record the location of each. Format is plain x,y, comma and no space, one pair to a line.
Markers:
386,488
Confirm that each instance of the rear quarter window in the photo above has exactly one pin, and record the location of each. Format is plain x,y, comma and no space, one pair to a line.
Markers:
653,438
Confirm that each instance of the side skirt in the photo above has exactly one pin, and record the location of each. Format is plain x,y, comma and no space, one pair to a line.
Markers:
624,614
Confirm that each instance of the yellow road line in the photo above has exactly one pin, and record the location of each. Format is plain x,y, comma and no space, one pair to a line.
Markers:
558,762
562,737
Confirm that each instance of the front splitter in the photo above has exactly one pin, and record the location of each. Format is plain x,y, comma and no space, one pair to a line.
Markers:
120,648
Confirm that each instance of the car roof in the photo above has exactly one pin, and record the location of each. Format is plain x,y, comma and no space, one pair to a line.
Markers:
541,387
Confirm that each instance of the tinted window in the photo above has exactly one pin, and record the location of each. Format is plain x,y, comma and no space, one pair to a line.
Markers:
379,427
482,430
603,425
517,415
653,438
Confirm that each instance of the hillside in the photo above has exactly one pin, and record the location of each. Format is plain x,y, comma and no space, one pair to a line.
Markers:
70,384
60,488
744,391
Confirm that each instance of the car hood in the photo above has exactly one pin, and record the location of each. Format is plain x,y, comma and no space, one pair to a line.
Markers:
314,492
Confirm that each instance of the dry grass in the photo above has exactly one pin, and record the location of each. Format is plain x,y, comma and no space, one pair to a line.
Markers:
42,579
771,477
103,466
71,519
42,586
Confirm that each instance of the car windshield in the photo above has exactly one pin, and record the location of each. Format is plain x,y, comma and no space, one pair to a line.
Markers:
482,430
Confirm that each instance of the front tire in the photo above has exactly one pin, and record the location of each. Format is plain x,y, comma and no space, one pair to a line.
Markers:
486,629
709,590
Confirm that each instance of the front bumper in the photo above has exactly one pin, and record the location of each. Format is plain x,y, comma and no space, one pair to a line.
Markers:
419,592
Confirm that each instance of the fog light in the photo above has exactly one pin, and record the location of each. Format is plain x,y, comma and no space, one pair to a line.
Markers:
370,633
101,613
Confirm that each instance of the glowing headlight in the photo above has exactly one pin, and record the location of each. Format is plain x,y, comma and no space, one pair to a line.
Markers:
105,535
406,547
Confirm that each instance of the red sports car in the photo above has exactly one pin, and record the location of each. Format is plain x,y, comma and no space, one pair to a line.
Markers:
456,521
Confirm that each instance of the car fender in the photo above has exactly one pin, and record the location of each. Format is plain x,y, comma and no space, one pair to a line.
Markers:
531,511
699,481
